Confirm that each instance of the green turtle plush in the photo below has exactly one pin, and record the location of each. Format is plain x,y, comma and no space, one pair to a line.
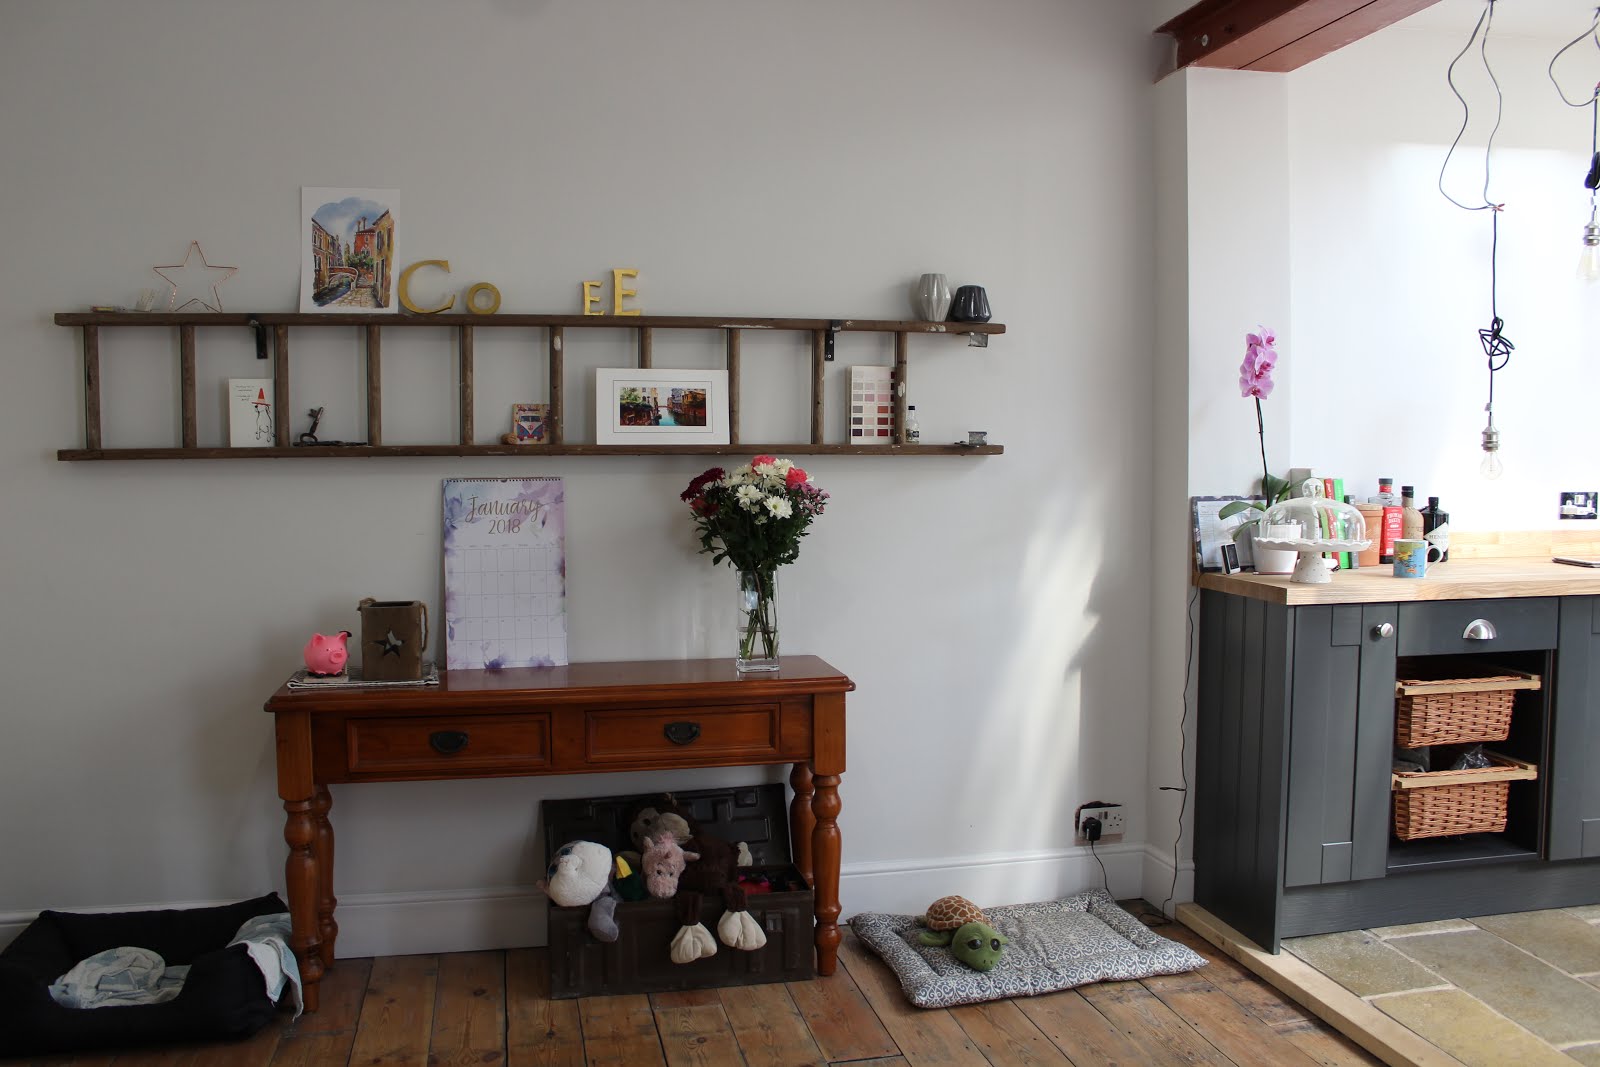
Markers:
959,923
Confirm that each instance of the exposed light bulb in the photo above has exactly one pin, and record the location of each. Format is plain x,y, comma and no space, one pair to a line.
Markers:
1492,466
1589,261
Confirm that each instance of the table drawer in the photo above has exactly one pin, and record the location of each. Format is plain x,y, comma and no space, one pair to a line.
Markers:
694,735
1438,627
448,746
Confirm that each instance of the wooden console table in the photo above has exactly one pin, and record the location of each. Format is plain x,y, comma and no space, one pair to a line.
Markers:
586,717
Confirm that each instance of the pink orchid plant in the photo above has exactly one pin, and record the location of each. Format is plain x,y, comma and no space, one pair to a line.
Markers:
1255,381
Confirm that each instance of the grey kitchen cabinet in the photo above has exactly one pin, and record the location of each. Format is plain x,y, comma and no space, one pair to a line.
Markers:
1575,750
1295,739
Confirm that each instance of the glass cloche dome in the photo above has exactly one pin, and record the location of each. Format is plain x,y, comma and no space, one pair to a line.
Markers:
1312,524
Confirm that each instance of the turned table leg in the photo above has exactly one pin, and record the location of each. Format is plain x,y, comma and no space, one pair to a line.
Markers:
307,806
801,820
322,850
300,875
825,855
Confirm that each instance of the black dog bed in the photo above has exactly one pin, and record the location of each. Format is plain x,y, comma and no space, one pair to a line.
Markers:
224,997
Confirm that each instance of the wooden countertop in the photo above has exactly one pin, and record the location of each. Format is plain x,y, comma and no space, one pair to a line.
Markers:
1460,579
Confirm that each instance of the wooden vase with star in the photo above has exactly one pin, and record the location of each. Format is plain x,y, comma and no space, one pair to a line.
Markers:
394,634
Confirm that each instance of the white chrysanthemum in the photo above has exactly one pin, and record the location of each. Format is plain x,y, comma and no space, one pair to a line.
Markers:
780,508
782,466
748,495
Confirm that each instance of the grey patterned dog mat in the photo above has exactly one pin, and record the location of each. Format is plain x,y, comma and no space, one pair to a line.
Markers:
1055,944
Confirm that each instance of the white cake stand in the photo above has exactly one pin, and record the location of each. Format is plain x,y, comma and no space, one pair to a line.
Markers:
1310,567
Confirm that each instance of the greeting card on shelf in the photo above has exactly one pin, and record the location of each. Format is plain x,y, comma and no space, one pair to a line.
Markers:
250,415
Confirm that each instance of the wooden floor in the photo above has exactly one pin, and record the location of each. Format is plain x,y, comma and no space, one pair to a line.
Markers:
492,1008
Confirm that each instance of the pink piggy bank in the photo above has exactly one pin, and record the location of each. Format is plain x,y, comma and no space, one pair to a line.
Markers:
327,654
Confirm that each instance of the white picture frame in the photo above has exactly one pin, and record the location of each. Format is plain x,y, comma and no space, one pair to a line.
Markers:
659,406
348,236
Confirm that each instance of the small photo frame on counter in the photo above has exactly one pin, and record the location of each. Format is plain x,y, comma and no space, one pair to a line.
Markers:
1230,558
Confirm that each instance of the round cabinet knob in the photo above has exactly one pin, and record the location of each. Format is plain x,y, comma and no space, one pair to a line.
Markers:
1479,630
1382,630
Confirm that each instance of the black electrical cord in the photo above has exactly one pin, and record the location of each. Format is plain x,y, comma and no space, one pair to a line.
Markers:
1183,754
1594,32
1104,877
1485,23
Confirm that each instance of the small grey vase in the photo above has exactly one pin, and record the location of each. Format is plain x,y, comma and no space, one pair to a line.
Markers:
931,297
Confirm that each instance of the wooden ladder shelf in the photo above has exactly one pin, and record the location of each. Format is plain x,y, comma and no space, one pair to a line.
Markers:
276,326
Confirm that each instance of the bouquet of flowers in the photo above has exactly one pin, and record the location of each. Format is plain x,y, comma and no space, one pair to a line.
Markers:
754,517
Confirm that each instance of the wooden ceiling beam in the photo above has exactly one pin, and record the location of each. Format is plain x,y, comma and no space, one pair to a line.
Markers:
1277,35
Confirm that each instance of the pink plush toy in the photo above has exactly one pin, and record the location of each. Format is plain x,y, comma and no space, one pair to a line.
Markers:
707,865
327,654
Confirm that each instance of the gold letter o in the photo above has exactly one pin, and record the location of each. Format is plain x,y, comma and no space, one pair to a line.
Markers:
472,299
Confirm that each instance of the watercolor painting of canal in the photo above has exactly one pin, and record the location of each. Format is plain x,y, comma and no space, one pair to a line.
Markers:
347,249
638,406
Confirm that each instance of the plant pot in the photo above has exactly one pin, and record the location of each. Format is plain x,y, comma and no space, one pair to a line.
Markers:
1274,560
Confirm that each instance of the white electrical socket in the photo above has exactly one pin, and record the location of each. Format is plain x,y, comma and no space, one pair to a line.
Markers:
1112,821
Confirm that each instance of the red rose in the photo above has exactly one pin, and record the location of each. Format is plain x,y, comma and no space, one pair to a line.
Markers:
761,461
795,477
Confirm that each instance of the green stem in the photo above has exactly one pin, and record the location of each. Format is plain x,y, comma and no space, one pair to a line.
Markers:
761,618
1261,431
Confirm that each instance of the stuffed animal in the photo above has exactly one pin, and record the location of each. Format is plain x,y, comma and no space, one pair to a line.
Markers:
673,872
579,874
978,945
961,924
628,880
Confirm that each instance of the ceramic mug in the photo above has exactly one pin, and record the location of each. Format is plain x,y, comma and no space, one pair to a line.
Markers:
1410,558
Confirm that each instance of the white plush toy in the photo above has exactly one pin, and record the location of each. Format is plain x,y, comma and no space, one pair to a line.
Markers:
579,874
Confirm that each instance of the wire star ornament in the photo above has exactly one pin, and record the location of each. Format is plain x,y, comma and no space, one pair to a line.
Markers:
184,275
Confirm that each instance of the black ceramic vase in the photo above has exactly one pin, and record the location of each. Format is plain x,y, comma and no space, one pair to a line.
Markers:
971,304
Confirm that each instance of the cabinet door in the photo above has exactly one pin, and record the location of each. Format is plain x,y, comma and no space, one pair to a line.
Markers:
1575,748
1341,739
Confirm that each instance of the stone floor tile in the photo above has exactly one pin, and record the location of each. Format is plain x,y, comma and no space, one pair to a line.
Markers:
1557,937
1361,963
1561,1009
1439,927
1590,912
1468,1030
1589,1055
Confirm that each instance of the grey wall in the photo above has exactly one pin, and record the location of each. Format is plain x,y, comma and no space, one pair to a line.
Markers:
747,158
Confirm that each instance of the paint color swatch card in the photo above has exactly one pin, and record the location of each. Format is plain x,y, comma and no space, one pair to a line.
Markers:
250,423
505,573
871,406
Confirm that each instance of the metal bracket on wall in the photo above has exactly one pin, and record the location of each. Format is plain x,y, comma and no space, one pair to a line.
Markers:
827,345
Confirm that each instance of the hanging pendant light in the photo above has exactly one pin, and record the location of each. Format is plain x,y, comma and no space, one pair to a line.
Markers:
1589,258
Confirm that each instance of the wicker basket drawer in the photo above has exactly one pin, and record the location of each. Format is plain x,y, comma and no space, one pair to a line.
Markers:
1432,710
1446,803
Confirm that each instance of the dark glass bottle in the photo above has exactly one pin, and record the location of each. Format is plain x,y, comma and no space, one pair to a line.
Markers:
1436,530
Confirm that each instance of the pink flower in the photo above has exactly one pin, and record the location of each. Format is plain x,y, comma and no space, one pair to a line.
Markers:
796,477
763,461
1260,357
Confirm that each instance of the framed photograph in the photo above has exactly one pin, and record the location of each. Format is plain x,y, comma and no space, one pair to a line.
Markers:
655,406
347,249
528,423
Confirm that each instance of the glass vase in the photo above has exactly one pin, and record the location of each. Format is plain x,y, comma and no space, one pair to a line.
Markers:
758,621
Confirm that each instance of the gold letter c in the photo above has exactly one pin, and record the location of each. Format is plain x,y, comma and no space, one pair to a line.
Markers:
405,287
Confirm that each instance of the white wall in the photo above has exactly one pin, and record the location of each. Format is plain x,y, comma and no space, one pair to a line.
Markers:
755,159
1391,282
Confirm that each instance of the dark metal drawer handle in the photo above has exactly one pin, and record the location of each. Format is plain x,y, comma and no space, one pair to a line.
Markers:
448,742
1479,630
682,733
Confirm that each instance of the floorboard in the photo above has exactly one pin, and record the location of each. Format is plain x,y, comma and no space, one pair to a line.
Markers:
495,1007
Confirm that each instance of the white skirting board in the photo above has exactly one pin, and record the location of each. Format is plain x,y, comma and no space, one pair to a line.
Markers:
399,924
